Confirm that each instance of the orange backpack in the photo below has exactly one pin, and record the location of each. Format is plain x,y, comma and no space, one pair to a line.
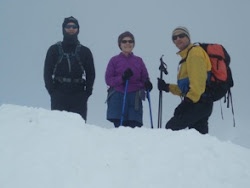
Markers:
221,76
221,79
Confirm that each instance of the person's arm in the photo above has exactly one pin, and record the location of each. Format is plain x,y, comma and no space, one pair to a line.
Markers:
197,74
112,79
174,89
90,72
49,64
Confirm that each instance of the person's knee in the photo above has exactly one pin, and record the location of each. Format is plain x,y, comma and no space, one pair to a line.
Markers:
201,126
203,130
175,124
169,125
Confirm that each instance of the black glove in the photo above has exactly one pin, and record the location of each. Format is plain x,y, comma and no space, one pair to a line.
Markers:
52,88
89,92
148,85
162,85
127,74
186,105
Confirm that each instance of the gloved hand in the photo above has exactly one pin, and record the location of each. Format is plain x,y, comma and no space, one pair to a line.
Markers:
89,92
186,105
162,85
127,74
148,85
52,88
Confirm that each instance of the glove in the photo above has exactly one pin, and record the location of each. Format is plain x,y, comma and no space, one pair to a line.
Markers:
186,105
127,74
148,85
88,92
51,89
162,85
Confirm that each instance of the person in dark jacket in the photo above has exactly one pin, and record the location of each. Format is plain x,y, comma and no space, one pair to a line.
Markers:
194,72
122,68
69,71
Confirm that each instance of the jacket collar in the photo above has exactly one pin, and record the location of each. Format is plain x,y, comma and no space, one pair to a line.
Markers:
184,52
124,56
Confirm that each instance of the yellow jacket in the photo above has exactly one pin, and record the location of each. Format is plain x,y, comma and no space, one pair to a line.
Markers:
193,73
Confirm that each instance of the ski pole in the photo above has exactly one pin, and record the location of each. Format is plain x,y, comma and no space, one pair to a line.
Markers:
124,102
160,110
150,110
163,69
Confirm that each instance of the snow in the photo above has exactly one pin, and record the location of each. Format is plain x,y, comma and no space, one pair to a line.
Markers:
42,148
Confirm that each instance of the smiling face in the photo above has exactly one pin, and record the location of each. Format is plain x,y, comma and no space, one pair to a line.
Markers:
181,40
127,45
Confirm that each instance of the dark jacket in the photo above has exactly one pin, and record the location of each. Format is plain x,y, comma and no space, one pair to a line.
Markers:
73,72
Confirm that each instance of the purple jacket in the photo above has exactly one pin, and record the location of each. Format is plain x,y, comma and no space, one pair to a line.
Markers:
116,67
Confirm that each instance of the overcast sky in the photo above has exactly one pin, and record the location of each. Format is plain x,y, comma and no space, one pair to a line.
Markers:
30,27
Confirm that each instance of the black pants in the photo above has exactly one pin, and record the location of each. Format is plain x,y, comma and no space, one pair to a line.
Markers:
71,102
131,124
196,116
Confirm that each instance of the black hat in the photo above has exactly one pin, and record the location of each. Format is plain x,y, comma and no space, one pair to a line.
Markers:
70,19
123,35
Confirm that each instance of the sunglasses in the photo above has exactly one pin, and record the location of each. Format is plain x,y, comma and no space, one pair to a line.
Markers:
71,26
180,36
127,41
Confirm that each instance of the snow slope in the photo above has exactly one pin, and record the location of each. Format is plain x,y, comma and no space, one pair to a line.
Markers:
52,149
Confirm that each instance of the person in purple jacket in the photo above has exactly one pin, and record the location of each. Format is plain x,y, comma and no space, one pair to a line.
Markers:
123,67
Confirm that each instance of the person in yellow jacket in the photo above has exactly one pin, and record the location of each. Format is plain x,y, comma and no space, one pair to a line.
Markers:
194,72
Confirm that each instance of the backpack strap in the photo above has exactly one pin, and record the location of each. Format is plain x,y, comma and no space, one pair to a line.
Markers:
229,100
60,56
183,60
77,52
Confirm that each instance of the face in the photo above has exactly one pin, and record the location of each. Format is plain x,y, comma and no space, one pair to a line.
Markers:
71,28
181,41
127,45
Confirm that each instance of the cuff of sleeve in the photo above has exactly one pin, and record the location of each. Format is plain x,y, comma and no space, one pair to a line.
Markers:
188,100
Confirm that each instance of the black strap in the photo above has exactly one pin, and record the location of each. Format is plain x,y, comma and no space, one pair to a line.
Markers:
67,55
60,51
77,52
230,99
70,80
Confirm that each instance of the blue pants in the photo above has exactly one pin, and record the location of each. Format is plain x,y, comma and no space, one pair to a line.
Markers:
133,107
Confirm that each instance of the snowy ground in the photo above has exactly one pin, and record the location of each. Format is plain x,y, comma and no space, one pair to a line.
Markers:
51,149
